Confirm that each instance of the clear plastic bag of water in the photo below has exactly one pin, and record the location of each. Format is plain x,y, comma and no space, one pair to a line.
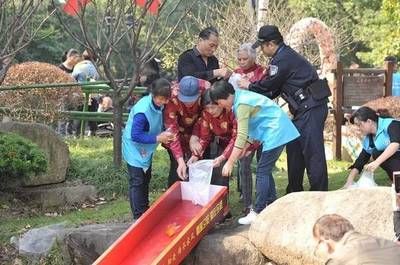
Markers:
200,174
366,180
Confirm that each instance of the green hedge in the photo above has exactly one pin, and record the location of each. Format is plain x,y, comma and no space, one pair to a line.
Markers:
20,157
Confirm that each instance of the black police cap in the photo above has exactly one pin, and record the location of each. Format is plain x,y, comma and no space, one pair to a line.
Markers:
267,33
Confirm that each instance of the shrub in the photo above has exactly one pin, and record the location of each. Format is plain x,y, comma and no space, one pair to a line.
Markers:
19,157
38,105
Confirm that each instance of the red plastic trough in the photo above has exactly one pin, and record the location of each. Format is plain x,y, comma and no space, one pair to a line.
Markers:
169,230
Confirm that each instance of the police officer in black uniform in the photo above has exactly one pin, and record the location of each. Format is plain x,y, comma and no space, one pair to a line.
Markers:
292,77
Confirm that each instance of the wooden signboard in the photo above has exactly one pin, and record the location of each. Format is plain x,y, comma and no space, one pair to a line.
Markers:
358,90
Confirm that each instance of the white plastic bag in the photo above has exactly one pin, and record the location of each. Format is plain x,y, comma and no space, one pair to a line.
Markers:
366,180
234,79
200,174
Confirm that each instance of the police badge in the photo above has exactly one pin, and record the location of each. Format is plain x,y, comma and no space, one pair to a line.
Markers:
273,70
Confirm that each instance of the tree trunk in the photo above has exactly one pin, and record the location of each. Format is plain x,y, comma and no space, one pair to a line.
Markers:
117,137
251,6
4,66
262,9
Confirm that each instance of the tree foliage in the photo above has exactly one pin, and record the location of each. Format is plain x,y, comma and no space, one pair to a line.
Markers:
380,31
373,24
120,32
20,22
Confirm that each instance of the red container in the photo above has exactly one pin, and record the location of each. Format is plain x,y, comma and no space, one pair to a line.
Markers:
169,230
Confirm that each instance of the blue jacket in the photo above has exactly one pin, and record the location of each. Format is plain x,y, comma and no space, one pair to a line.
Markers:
138,154
270,125
381,139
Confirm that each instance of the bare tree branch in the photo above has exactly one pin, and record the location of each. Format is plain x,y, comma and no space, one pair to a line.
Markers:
17,29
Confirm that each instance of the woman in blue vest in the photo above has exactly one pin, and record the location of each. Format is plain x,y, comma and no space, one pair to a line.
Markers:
258,118
381,141
142,134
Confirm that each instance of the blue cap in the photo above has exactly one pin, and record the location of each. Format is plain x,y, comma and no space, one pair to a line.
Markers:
188,89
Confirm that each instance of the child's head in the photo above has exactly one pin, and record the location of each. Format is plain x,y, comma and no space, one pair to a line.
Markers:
208,105
161,91
222,93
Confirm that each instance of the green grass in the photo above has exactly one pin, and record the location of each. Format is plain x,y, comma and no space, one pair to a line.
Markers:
113,210
91,161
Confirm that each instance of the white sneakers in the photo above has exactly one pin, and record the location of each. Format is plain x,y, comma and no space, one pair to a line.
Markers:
249,218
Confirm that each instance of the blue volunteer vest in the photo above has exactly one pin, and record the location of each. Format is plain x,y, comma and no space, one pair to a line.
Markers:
270,125
381,139
138,154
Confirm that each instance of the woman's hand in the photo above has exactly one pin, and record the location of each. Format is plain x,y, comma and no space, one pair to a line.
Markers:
181,170
347,184
165,137
371,167
192,159
227,169
244,83
195,145
350,178
217,161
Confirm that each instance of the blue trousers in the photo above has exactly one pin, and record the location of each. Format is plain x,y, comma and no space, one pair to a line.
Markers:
265,184
138,190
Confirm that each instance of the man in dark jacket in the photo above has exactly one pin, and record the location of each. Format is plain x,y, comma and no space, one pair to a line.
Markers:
200,61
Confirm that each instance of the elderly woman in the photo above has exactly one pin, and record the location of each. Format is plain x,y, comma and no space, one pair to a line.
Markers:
249,69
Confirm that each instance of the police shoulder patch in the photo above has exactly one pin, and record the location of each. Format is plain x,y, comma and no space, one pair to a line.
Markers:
273,70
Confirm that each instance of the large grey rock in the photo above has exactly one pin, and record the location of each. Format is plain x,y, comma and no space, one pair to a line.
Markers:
226,247
283,231
56,150
57,195
85,244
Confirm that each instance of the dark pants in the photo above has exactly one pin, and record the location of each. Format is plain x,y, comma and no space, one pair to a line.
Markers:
212,152
246,179
265,184
308,151
173,166
138,190
396,222
390,165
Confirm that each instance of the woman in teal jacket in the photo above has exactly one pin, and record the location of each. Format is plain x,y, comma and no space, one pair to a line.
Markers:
381,141
260,119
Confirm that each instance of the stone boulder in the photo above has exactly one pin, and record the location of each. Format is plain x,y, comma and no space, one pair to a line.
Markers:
85,244
57,195
56,151
283,231
37,242
226,247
